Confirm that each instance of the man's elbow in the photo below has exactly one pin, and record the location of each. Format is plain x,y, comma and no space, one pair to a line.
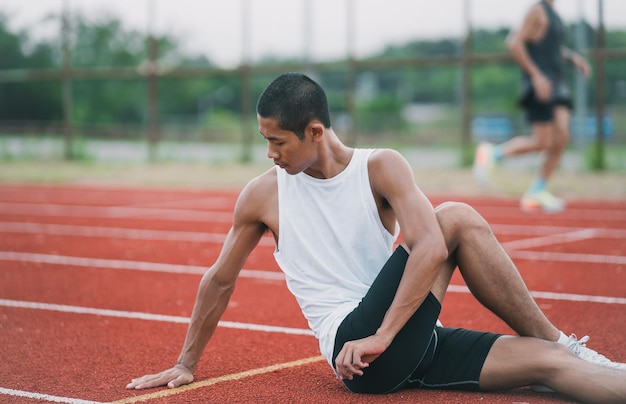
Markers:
438,251
511,44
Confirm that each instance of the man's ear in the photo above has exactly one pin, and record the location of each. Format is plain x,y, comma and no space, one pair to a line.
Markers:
317,130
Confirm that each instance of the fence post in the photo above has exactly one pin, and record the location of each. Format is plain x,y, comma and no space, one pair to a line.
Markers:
598,160
66,87
466,96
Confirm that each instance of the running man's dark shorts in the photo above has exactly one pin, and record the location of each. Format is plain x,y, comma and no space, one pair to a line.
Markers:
540,111
421,355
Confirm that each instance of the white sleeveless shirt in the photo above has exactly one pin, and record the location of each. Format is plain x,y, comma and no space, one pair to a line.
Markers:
331,244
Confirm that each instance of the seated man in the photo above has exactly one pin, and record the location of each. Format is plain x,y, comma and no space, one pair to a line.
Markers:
335,213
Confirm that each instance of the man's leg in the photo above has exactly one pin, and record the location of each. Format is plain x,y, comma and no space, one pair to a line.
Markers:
559,138
488,272
520,361
495,281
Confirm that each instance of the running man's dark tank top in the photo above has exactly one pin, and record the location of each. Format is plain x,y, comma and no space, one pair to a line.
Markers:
546,53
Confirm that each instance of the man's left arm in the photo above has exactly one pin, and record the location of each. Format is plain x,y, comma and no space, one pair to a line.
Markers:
577,60
392,179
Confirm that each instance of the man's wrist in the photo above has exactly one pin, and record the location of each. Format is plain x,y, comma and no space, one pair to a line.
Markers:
180,363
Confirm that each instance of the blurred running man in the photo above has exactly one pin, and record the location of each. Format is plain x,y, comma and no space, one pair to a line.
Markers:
538,48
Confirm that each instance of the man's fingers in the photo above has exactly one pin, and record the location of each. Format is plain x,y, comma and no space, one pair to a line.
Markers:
179,381
171,378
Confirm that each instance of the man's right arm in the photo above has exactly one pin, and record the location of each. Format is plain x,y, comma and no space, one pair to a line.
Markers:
213,295
532,29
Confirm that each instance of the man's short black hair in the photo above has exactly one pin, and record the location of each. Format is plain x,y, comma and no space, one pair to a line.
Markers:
294,100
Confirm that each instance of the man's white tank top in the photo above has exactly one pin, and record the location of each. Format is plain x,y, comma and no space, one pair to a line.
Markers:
331,244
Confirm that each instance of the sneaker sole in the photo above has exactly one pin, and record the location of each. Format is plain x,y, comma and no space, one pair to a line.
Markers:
535,208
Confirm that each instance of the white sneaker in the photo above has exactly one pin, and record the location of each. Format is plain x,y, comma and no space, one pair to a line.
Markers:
541,201
484,164
579,347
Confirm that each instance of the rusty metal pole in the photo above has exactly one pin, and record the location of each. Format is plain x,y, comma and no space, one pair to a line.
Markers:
246,85
68,135
153,99
466,97
599,162
152,83
351,129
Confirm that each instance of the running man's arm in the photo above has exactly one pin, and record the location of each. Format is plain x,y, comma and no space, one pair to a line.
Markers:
213,295
577,60
533,28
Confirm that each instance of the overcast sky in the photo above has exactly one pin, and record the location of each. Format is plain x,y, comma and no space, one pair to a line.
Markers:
279,27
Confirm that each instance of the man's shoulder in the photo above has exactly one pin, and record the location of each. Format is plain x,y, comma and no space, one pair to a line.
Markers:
384,156
262,184
384,165
256,202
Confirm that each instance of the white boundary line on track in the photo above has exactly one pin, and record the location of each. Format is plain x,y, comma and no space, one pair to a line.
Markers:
117,232
266,328
581,214
28,208
568,257
549,234
129,265
569,237
95,212
262,274
147,316
556,296
47,397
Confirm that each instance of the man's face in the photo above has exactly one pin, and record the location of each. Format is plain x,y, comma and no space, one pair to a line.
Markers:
285,148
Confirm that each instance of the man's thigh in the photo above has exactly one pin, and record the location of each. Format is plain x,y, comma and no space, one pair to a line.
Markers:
391,369
457,361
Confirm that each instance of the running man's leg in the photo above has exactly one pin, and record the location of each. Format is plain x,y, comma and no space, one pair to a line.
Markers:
559,139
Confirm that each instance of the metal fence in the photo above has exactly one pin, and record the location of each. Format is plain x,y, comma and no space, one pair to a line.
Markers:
461,124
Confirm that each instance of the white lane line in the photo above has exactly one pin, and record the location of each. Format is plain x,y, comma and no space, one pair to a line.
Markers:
214,202
46,397
147,316
129,265
556,296
267,328
8,208
550,233
118,232
613,215
532,230
552,239
568,257
254,273
616,214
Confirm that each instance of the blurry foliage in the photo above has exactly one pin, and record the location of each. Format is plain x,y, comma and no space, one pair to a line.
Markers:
380,99
380,113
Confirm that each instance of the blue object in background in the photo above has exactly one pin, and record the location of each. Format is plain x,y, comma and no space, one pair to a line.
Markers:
583,129
492,128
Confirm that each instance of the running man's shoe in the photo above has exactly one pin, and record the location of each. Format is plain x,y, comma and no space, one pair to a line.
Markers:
484,164
541,201
579,348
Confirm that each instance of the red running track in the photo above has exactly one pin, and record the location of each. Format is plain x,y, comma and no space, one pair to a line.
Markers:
97,284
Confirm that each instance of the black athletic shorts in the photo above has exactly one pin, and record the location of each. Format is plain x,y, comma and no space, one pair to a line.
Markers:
540,111
422,354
